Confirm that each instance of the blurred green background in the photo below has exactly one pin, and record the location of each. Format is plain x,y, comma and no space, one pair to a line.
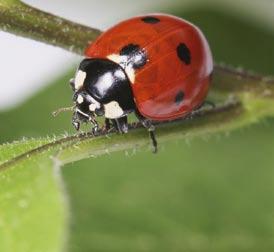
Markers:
211,194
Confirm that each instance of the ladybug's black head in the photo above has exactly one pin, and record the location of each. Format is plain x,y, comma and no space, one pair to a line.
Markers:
101,88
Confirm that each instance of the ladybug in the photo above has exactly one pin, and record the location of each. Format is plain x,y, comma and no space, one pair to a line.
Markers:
157,66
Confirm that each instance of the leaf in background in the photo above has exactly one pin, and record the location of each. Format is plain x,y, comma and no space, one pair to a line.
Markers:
209,195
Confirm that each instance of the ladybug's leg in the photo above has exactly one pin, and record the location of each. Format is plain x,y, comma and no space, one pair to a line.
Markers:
121,124
107,124
76,122
110,125
95,128
151,129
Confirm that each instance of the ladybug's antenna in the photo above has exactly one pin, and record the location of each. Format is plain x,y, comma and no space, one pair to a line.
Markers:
60,110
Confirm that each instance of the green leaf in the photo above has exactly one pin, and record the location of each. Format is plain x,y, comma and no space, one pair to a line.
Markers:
33,209
9,151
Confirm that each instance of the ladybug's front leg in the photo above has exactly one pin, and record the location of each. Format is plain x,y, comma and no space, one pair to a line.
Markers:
76,122
95,129
79,117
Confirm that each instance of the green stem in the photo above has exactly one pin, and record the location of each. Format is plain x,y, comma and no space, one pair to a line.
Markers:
229,80
24,20
202,122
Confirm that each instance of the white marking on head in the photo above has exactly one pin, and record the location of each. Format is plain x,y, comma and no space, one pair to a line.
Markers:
79,79
80,99
93,104
92,107
113,110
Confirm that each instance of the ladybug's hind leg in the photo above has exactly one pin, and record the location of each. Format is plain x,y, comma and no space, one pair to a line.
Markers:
151,129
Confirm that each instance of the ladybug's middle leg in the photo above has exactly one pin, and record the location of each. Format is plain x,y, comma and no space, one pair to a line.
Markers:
151,129
95,128
108,124
121,124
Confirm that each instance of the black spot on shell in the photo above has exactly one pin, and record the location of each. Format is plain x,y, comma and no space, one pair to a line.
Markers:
184,53
179,97
136,57
130,49
151,20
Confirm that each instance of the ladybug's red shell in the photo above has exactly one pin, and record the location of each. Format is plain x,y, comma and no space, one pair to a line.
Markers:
176,76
